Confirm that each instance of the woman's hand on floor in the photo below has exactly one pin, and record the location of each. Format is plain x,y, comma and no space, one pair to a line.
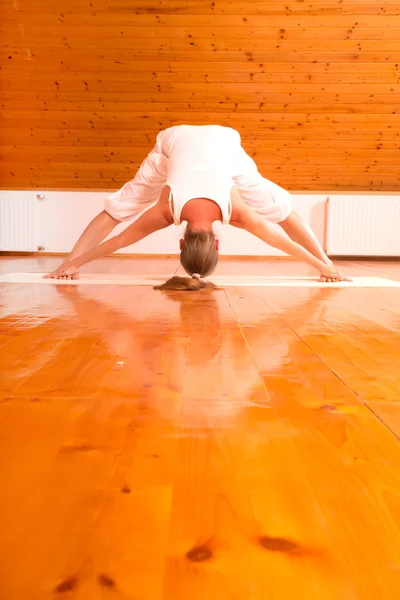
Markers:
64,271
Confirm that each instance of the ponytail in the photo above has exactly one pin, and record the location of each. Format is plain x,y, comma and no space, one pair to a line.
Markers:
185,284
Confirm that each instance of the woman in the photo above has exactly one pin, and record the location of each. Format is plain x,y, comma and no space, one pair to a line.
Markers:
198,174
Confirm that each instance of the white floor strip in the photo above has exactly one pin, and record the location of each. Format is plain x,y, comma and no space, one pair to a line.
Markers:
222,280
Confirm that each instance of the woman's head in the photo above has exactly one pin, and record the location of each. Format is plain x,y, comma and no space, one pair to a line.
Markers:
199,257
199,252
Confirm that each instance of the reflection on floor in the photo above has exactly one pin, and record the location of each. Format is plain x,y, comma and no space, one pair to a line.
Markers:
231,444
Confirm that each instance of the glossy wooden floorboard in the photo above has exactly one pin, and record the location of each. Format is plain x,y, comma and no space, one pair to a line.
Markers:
234,444
356,333
389,414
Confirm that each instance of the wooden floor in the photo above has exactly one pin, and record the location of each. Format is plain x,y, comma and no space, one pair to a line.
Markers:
240,444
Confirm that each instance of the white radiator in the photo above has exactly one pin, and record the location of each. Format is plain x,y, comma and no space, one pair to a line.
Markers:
363,226
18,222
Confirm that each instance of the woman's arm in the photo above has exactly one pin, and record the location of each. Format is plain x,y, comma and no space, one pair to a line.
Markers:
265,231
152,220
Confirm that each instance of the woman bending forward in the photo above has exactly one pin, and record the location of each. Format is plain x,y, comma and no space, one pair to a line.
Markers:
198,174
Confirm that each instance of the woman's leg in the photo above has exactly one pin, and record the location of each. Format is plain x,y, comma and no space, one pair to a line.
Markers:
301,233
134,198
95,232
274,204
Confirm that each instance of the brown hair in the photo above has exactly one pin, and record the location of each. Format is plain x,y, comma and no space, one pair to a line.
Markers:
199,256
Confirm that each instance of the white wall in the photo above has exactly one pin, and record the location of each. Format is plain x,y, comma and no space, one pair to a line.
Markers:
62,216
